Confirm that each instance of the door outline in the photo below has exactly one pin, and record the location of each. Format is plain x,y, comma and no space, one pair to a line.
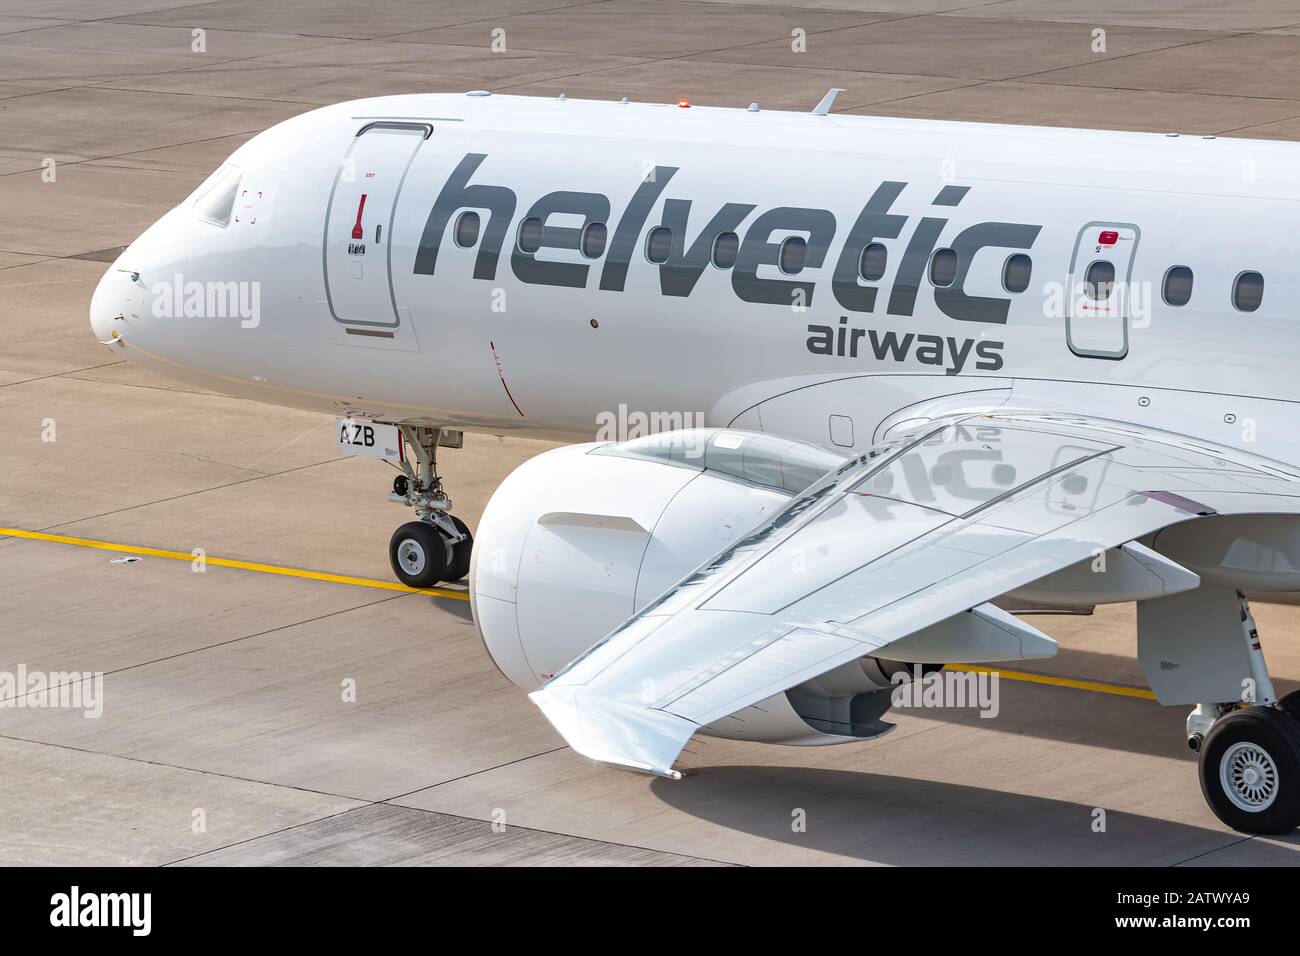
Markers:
426,129
1071,283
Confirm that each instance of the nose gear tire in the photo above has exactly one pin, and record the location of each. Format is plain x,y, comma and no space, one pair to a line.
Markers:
419,555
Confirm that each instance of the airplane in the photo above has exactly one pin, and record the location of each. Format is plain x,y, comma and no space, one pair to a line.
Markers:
861,388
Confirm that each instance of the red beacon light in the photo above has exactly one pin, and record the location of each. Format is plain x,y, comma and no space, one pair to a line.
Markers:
684,104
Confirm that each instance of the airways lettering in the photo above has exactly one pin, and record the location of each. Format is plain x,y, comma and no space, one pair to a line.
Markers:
889,344
951,353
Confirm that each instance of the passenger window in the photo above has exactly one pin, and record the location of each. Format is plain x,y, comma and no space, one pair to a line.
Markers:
216,203
1099,280
1177,289
1248,291
593,240
871,264
1015,272
659,244
466,232
530,235
726,249
792,255
943,268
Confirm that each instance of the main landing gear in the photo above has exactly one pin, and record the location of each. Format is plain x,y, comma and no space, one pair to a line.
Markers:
437,546
1250,751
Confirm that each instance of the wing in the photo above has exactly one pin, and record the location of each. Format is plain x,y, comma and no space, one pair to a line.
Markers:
909,535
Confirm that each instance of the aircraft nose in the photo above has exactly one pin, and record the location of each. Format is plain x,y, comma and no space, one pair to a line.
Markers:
108,306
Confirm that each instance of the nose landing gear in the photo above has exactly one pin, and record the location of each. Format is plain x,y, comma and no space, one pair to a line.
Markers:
437,546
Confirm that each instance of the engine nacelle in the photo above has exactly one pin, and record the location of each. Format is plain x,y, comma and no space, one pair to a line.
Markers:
578,539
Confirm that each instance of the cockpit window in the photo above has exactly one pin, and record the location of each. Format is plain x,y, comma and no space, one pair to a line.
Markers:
215,199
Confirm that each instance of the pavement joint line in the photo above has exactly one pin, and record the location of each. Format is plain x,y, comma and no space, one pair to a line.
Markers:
363,803
175,766
1238,129
980,81
574,836
1221,35
5,701
456,816
584,74
105,85
69,372
231,563
472,773
260,476
1218,849
463,23
985,81
269,833
176,389
86,161
124,18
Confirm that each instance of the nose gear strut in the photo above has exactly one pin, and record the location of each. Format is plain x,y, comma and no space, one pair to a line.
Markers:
436,547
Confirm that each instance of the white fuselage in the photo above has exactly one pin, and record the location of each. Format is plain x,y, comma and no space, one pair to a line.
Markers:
376,311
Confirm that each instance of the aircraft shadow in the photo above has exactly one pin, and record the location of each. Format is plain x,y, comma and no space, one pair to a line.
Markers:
1067,715
454,607
884,819
1136,725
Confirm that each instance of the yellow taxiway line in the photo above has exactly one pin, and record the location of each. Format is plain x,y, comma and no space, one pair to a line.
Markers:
1096,687
229,563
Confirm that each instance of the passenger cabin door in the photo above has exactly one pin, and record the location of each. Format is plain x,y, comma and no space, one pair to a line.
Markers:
358,271
1100,298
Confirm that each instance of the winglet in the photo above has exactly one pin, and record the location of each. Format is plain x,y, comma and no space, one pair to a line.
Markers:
615,733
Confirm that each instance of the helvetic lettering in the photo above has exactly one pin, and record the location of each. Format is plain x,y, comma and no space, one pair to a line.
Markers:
756,275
